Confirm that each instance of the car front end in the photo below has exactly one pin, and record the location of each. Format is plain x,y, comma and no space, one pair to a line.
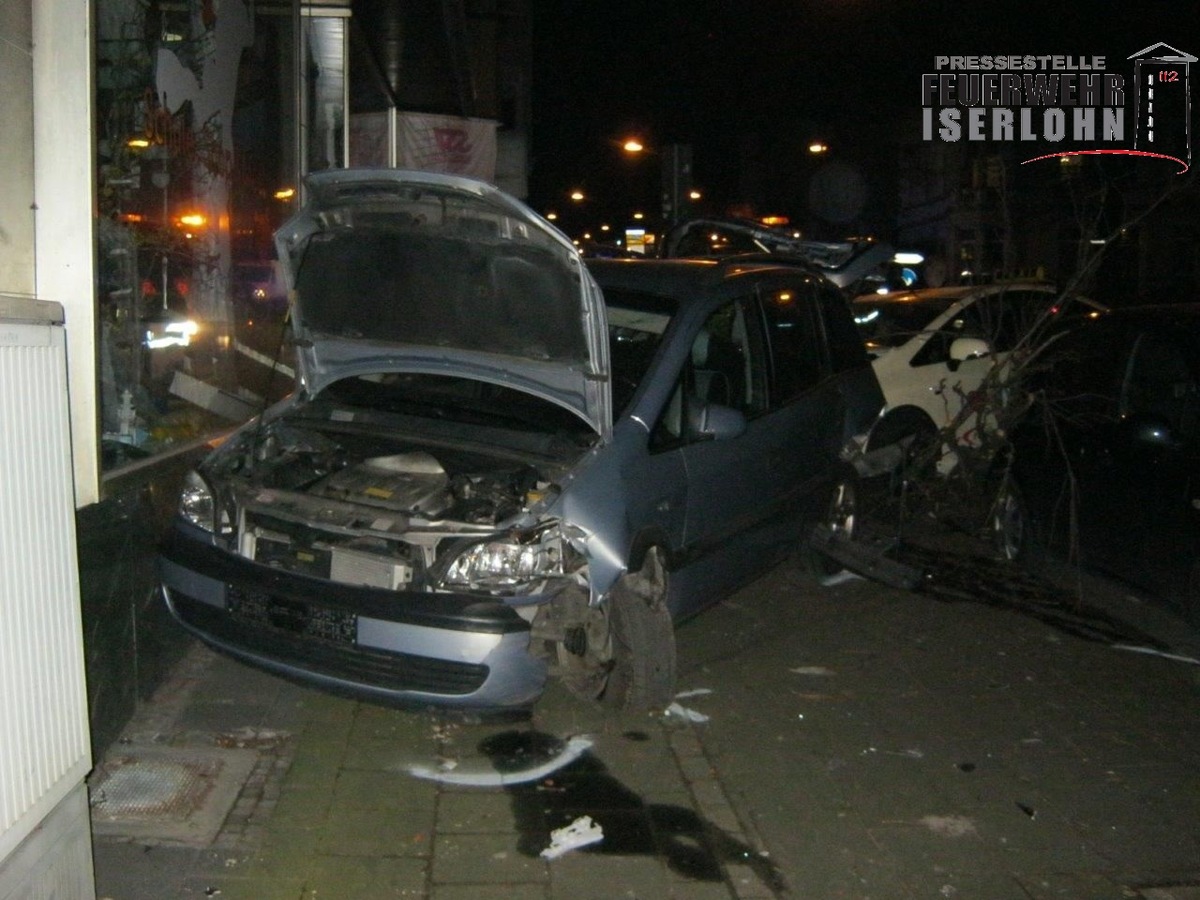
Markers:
395,528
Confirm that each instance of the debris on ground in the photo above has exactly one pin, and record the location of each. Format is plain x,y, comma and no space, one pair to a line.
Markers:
840,578
949,826
580,833
1152,651
688,715
812,670
572,750
694,692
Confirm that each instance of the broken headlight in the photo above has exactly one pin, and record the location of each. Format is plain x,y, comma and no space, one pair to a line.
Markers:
507,561
197,505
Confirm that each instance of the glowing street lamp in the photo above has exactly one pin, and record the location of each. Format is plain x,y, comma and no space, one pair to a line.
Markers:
633,145
577,196
816,148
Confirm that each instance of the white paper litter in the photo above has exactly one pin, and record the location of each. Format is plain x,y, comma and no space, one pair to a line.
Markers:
694,692
580,833
811,670
689,715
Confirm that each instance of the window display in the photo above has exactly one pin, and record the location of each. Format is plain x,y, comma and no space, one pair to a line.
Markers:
196,107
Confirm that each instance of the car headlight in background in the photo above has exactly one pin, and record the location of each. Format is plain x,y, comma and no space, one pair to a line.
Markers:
198,506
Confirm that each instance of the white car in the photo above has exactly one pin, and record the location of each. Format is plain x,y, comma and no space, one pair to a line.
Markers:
933,348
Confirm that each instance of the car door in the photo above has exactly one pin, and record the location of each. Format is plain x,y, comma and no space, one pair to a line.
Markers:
760,355
1154,459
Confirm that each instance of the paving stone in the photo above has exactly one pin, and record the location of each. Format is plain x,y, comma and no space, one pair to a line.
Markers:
476,812
484,859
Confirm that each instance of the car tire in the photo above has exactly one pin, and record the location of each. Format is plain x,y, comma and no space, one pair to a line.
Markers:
924,449
642,673
840,518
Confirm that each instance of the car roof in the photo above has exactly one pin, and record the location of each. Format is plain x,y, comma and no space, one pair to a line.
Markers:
684,280
953,292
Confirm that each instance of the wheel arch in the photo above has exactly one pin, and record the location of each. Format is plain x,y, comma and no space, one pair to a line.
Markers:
899,423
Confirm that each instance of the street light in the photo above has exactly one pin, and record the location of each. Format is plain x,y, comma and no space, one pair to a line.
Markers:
633,145
816,148
577,196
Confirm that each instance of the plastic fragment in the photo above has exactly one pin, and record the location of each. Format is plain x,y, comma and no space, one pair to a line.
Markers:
840,577
572,750
1176,657
580,833
688,715
694,692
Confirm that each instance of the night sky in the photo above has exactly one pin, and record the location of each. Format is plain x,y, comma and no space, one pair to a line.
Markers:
772,75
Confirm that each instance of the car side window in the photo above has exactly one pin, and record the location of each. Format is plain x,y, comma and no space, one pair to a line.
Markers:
965,323
1159,384
726,366
845,342
797,359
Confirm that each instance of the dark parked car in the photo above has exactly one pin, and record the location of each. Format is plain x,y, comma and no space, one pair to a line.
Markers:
1106,463
490,471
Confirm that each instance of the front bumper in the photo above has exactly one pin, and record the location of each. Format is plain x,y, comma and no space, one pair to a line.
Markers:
409,648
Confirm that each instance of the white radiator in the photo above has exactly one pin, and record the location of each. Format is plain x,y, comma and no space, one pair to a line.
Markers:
44,742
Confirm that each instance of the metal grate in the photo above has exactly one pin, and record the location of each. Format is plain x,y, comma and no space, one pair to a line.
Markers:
137,788
168,794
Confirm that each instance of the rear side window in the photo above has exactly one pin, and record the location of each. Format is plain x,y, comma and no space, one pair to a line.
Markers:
846,348
797,362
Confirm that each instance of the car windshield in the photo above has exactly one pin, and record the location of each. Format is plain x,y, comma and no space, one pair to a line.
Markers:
636,323
887,323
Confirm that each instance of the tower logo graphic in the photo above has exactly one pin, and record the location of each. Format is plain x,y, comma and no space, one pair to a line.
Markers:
1162,101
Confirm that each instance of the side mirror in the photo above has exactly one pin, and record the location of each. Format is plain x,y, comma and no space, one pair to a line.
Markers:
965,348
714,422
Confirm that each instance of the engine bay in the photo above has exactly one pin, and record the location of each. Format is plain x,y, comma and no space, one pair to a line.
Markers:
359,507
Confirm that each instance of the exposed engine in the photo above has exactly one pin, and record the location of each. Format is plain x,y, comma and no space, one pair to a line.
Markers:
336,507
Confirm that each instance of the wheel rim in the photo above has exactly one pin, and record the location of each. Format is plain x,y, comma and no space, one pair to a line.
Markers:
842,510
585,674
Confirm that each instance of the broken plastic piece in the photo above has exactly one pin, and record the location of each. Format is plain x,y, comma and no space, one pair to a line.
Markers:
1176,657
572,750
689,715
840,577
580,833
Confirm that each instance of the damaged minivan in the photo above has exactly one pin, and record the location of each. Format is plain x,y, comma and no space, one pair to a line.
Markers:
499,466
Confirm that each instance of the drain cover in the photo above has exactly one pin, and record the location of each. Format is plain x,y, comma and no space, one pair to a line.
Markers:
168,794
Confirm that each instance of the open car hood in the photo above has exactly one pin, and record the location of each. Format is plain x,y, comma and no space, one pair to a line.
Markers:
400,271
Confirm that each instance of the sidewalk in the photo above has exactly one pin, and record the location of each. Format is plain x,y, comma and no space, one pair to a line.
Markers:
849,741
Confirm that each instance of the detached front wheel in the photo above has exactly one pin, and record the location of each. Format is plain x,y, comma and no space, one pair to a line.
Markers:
642,676
622,654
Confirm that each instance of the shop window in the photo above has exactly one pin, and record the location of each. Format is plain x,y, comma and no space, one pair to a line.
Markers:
198,165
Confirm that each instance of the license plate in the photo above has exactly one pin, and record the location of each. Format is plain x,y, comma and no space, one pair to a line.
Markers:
291,616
